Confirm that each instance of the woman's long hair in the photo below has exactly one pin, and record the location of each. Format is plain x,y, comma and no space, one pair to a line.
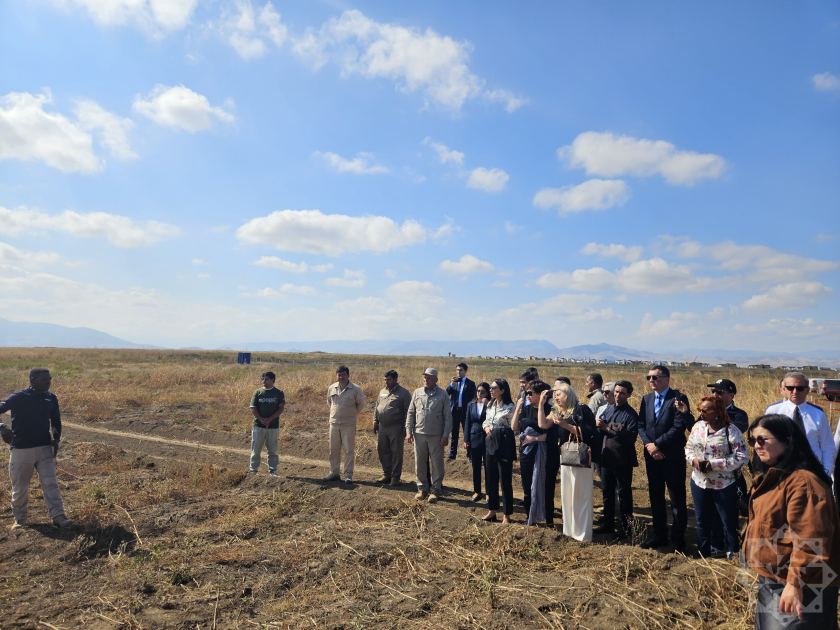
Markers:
571,400
720,408
538,387
503,385
797,456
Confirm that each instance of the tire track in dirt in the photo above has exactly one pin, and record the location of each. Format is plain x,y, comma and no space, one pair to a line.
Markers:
216,448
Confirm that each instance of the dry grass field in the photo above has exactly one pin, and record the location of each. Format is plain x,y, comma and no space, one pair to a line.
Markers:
172,534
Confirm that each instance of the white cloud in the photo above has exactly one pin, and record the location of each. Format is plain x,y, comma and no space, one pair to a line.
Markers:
468,264
351,279
312,231
688,324
322,268
13,256
27,132
608,155
267,292
111,130
204,276
578,307
622,252
155,17
359,165
246,31
500,285
594,194
512,228
822,237
826,82
272,262
489,180
180,108
417,61
510,100
654,276
390,274
219,229
120,231
302,290
444,153
795,295
199,261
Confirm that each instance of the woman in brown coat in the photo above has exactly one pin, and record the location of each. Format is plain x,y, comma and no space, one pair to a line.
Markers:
792,538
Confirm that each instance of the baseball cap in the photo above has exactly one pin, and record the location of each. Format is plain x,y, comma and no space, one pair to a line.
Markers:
725,384
430,372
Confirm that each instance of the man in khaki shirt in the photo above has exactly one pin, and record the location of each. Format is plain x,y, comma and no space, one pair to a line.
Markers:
389,425
428,425
346,401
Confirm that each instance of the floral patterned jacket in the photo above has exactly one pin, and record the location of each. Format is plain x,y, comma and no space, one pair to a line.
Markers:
725,456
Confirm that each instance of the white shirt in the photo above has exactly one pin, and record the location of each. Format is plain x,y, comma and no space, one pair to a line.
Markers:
817,430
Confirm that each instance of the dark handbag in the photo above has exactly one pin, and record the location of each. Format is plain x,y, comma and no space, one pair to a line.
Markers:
575,452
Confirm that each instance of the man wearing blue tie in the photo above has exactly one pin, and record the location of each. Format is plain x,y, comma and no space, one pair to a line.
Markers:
663,419
461,392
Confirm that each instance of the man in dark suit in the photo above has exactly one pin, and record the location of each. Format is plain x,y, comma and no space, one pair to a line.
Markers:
663,420
619,429
461,392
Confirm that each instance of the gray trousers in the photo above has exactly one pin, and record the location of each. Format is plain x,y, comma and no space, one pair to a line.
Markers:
22,463
390,446
260,436
427,447
343,436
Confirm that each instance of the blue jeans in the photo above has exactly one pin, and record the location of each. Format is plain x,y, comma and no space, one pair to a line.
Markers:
706,503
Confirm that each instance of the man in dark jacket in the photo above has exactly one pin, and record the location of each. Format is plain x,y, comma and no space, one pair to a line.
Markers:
662,426
461,392
31,446
620,428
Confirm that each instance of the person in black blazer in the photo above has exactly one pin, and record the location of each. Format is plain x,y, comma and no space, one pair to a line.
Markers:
474,436
461,392
619,428
663,421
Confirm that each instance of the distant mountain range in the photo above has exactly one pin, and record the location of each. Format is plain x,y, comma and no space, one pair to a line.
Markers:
30,334
33,334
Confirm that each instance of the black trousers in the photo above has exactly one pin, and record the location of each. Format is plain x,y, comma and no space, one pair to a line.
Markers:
526,471
620,478
477,460
458,418
670,474
497,471
552,467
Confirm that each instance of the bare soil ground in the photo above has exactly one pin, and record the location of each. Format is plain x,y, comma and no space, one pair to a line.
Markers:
172,534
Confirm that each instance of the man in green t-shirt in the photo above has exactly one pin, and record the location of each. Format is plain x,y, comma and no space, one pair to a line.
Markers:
267,404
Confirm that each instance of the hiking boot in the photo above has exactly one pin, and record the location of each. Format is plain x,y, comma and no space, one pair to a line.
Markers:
433,498
384,479
19,523
62,521
421,495
331,477
395,481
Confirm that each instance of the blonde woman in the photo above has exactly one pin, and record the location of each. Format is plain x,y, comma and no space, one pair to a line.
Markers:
576,484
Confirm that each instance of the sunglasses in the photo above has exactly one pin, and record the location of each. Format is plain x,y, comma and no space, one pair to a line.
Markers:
706,411
494,387
606,392
760,440
653,377
719,391
265,378
798,388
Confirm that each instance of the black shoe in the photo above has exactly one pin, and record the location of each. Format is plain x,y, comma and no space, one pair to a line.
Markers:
600,520
679,546
451,458
652,543
476,497
604,529
521,503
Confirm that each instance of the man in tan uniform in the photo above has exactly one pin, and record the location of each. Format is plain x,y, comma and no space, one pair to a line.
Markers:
389,425
346,401
428,426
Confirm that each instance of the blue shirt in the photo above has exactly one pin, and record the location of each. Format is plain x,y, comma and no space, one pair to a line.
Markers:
32,416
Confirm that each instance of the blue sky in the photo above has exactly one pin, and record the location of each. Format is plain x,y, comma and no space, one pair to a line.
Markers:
656,175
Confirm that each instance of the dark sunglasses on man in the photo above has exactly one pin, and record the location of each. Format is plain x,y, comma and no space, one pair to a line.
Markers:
798,388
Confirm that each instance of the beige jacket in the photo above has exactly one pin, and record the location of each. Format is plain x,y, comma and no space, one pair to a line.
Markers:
429,413
392,406
345,404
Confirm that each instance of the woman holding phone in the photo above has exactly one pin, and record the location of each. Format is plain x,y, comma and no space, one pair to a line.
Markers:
716,449
500,450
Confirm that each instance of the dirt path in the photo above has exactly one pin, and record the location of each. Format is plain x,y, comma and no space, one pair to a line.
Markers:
136,442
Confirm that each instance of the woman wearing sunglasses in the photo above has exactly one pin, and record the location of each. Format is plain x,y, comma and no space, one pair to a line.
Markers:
474,435
792,539
534,443
500,450
716,450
